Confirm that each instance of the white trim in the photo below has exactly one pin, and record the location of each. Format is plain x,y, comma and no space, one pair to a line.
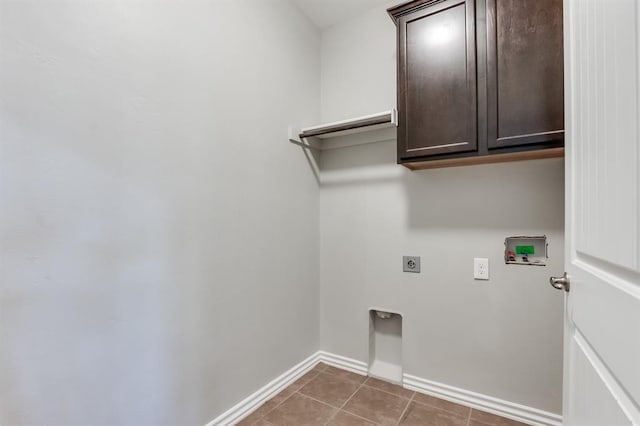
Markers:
343,362
365,130
256,399
390,114
375,134
482,402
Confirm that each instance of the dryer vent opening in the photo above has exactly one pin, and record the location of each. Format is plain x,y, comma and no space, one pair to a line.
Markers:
385,345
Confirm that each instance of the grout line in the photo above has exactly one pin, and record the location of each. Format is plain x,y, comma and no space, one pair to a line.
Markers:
358,382
405,409
360,417
341,408
317,400
282,402
362,384
265,414
326,371
435,407
337,410
389,393
351,396
331,418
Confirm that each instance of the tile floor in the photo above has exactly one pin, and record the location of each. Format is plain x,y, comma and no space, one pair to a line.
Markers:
330,396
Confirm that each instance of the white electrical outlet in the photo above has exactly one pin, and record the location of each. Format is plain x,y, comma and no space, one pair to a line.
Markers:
481,268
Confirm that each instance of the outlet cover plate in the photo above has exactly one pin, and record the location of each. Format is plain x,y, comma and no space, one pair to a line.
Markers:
411,264
481,268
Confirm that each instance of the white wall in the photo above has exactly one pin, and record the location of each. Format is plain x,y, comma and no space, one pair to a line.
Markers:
503,337
155,224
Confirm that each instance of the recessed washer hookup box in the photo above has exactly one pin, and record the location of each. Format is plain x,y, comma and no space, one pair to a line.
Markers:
526,250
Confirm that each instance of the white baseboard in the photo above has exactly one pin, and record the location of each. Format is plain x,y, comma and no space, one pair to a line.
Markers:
343,362
483,402
256,399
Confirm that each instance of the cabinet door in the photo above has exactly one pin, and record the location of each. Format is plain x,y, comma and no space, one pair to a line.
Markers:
525,93
437,80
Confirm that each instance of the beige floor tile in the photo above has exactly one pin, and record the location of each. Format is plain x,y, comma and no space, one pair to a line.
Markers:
424,415
343,418
299,410
345,374
376,405
303,380
389,387
248,421
314,399
263,422
330,389
265,408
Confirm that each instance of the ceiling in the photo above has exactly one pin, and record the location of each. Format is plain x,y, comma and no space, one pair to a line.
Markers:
325,13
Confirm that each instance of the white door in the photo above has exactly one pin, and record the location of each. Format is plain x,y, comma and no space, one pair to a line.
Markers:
602,323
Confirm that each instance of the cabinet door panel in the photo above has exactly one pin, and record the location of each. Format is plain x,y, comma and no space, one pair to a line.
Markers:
525,93
437,96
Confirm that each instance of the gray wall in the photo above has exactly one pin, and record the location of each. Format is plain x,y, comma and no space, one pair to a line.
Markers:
149,260
155,224
502,337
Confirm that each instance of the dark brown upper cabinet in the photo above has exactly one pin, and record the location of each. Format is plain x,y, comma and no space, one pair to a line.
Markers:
438,95
479,81
525,102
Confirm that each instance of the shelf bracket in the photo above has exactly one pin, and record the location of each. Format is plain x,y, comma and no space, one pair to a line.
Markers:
311,137
294,138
